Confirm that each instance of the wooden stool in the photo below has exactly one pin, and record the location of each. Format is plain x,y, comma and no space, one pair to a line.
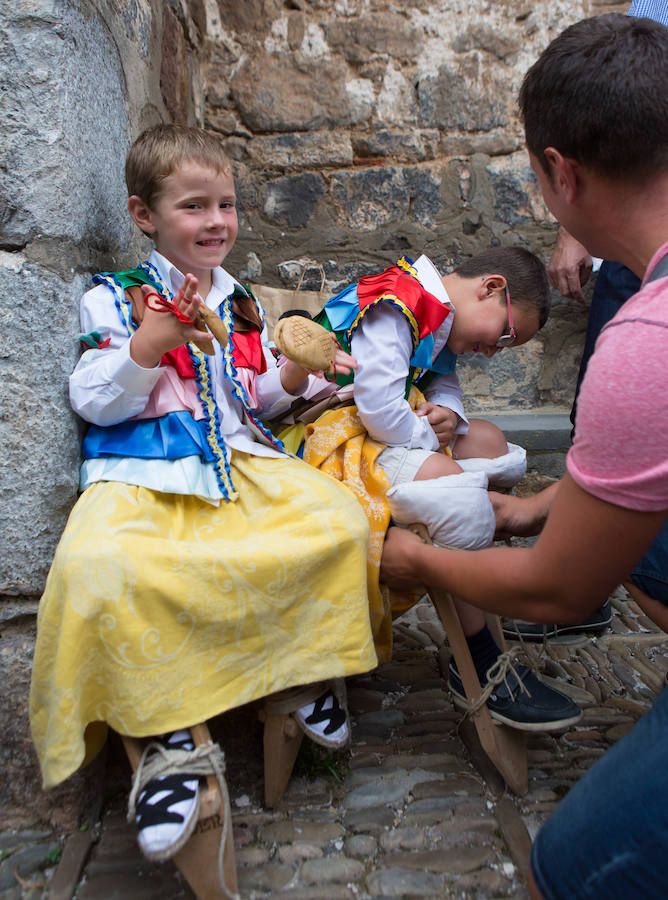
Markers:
198,859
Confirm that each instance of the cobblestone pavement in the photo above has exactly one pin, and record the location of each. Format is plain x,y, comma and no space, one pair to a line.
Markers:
404,814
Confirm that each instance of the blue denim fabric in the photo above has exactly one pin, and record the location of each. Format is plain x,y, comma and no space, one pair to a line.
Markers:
651,573
614,285
607,839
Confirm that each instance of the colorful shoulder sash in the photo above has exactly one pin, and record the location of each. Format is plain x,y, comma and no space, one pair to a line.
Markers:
117,282
233,358
399,286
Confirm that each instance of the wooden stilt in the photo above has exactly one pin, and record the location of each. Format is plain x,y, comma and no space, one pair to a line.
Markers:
282,740
505,746
198,859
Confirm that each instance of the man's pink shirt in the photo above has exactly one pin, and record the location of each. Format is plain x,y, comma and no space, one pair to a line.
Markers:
620,452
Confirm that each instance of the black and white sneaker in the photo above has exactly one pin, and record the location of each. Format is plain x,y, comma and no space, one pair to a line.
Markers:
167,807
324,721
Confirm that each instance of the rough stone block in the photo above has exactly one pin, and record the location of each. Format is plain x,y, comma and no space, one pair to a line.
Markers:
61,159
25,804
292,200
285,151
39,466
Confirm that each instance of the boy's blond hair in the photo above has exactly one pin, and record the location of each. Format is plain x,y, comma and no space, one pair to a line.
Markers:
160,150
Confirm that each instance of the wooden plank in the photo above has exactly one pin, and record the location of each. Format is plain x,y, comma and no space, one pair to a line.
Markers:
282,740
514,832
505,746
66,877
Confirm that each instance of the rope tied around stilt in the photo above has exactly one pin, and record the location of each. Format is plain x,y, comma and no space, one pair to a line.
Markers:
205,759
498,673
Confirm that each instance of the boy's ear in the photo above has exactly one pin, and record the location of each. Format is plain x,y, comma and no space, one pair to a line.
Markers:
490,285
141,214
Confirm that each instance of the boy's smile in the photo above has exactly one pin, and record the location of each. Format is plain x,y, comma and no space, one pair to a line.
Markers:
194,220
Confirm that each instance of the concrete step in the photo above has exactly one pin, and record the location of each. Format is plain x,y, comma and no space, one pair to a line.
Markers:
545,436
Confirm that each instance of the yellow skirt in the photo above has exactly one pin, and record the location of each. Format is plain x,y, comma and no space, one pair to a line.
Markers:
161,610
337,443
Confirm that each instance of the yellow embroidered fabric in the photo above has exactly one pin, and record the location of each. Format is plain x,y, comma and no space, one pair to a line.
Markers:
162,610
337,443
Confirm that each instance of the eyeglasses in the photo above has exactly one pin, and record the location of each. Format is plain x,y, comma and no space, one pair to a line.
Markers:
507,340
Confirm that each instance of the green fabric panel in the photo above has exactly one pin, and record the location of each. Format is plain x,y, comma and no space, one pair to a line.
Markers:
131,278
321,319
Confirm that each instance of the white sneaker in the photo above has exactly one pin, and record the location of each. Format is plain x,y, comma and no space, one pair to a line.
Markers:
167,807
324,721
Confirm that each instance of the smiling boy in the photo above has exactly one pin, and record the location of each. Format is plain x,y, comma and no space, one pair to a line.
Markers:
201,568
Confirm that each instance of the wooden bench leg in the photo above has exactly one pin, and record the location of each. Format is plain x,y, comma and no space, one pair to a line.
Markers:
505,746
198,859
282,740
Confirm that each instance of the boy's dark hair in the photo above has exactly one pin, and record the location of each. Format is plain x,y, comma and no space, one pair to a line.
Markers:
599,94
160,150
525,273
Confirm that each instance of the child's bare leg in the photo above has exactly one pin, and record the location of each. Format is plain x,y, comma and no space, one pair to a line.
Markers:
472,619
484,449
437,465
454,520
484,439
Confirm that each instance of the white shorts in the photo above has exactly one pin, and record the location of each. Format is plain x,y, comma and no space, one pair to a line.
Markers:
401,464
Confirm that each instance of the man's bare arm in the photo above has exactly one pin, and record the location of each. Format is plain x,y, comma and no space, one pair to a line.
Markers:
585,550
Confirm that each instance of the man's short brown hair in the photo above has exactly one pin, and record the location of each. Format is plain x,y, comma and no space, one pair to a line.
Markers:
599,95
160,150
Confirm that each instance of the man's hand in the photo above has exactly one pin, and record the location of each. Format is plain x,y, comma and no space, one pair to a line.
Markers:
441,419
398,567
569,267
521,517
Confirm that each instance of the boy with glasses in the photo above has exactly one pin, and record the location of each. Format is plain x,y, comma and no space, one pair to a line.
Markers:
404,445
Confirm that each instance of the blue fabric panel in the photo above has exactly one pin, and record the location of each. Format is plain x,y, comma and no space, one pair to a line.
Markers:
169,437
343,309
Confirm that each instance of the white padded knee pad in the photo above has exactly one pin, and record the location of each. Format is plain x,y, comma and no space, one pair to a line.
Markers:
502,471
455,509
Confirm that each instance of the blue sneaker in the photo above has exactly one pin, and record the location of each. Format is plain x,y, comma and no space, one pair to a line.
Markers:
522,701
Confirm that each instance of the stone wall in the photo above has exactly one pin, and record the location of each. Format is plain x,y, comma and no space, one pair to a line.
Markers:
364,129
80,79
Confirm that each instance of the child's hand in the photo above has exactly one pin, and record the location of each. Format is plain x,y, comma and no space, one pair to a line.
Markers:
161,331
442,420
344,362
292,375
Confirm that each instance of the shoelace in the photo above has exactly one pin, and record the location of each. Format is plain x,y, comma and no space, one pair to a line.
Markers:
206,759
497,673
